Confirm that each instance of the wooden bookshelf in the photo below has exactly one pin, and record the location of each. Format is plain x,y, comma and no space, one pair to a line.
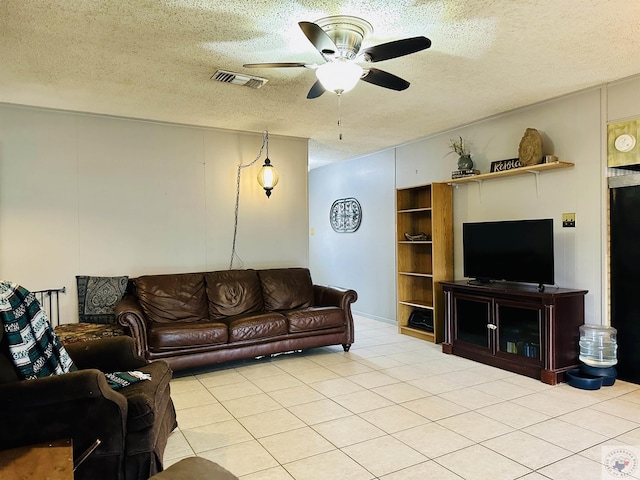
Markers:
422,264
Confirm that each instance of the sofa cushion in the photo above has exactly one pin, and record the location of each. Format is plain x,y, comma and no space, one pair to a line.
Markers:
286,288
169,298
84,332
314,318
233,292
170,336
253,327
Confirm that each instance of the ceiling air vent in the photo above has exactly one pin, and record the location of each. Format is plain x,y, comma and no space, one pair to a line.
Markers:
238,79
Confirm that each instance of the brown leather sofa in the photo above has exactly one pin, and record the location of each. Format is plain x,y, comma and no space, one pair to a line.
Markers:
197,319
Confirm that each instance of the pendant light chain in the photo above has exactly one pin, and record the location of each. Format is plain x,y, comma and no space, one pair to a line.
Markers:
265,143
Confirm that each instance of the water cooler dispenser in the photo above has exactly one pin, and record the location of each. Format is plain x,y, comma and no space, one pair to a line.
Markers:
598,355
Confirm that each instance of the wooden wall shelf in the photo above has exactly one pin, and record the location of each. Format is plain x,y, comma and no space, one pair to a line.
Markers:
533,169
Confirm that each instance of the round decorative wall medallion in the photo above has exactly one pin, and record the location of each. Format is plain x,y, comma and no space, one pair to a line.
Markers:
345,215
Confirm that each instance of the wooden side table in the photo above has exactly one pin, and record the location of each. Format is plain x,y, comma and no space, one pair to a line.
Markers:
45,461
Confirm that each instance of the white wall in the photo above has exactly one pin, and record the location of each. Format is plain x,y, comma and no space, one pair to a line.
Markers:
573,129
91,195
623,100
362,260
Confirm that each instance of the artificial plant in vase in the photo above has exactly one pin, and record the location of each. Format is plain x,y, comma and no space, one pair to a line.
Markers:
464,155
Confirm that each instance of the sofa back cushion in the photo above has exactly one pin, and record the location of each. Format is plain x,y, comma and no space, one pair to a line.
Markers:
233,292
286,288
173,298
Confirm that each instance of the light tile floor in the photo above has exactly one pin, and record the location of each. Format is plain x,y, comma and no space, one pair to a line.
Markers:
396,408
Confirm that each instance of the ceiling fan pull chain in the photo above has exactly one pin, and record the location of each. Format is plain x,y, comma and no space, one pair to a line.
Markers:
340,117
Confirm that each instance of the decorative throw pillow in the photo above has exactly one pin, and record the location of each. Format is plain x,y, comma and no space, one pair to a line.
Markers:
97,297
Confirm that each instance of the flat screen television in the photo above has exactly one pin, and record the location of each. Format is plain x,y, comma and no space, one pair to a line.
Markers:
515,250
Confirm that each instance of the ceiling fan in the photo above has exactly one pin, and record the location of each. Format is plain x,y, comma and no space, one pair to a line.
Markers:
338,39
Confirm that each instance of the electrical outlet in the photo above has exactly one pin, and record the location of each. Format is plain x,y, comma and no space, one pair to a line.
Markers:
568,220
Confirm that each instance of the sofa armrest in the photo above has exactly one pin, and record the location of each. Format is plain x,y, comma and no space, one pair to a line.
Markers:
129,314
328,296
78,405
106,354
65,388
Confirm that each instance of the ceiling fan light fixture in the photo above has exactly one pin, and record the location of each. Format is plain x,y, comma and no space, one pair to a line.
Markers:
346,32
339,76
339,40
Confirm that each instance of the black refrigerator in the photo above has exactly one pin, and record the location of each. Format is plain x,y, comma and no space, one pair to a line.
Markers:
624,223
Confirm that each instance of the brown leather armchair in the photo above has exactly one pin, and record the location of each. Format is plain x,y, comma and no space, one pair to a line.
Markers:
132,423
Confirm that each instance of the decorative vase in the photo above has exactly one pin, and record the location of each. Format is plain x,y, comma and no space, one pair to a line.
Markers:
465,162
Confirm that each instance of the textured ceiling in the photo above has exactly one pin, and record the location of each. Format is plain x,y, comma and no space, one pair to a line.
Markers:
153,59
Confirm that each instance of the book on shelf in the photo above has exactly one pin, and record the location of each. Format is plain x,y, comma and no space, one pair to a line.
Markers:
467,172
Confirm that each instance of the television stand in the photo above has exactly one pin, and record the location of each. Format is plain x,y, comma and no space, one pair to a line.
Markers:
514,326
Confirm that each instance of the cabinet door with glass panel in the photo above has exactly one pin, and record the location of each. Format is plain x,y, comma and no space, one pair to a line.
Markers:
473,322
497,326
518,327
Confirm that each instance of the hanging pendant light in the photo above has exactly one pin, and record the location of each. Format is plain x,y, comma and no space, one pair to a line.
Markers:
268,177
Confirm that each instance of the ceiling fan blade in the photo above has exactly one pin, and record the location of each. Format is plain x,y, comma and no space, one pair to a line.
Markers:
316,90
385,79
274,65
398,48
318,38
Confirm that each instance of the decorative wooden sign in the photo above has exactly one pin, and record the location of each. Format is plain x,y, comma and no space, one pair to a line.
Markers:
503,165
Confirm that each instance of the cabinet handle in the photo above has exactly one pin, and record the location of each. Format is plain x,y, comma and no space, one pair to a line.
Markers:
491,326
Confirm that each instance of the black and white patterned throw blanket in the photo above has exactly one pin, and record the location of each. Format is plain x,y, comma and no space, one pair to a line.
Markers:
35,350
